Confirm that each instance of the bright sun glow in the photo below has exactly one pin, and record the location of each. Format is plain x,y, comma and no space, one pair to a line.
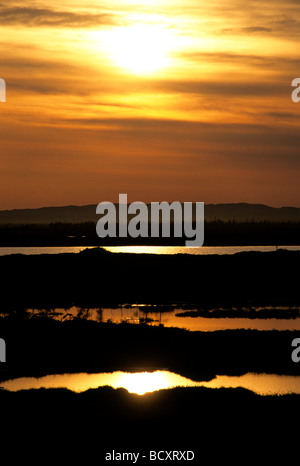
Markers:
141,49
143,382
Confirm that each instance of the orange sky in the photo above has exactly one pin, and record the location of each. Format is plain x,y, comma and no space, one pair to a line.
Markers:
164,100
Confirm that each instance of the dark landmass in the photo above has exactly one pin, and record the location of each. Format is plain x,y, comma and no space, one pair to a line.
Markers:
221,313
97,278
40,346
226,425
223,425
217,233
240,212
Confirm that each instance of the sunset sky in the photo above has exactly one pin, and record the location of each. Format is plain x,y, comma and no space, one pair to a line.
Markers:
161,99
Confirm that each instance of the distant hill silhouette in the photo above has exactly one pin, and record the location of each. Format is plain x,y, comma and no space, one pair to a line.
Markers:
44,215
241,212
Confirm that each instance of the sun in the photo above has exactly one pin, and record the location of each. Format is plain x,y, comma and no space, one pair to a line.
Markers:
145,382
141,49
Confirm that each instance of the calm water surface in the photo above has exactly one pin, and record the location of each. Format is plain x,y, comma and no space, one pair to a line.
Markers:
144,382
146,250
136,315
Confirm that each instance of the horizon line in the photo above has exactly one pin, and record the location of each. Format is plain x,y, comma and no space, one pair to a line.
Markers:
148,203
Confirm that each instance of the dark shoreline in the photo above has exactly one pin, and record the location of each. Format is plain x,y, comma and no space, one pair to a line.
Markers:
97,278
216,233
222,424
41,346
235,313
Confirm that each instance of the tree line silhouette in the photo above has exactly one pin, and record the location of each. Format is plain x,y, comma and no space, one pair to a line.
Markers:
217,233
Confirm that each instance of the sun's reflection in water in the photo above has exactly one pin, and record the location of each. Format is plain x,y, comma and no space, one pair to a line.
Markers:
137,382
145,382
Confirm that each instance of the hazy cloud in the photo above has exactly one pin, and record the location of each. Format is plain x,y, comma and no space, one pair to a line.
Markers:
37,17
246,30
222,88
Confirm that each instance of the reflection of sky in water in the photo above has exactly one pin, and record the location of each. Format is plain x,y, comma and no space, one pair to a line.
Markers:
170,319
143,249
137,382
143,382
204,250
